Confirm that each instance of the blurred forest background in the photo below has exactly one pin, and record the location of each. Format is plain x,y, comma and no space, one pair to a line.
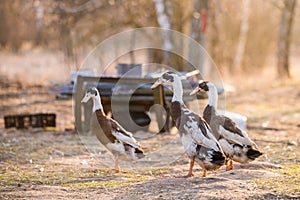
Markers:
240,36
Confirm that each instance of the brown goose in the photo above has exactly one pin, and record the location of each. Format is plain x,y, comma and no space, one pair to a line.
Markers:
196,136
122,144
235,142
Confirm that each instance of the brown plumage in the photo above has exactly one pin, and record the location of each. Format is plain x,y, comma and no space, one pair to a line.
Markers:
196,137
121,142
209,114
234,141
178,117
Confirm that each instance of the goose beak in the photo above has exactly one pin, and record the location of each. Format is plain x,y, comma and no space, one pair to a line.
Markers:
195,91
85,99
156,84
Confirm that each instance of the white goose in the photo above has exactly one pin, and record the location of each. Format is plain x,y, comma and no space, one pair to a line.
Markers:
235,142
121,142
196,136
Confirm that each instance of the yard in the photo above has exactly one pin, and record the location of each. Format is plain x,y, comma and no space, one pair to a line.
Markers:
54,164
237,43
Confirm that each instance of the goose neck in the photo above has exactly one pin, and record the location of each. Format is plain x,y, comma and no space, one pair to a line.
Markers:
177,90
97,104
213,97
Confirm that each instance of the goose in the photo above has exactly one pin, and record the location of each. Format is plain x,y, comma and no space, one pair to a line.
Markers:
121,143
234,141
195,134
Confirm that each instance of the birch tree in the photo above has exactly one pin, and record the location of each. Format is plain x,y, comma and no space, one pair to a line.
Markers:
164,12
284,39
215,11
39,17
69,13
242,37
198,31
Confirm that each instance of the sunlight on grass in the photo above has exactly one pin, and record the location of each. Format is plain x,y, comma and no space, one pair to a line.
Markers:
117,180
112,184
33,177
286,184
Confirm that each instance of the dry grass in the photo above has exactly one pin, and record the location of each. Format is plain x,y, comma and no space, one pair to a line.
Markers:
37,164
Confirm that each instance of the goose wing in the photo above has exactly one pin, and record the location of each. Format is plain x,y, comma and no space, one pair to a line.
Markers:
122,135
230,130
201,132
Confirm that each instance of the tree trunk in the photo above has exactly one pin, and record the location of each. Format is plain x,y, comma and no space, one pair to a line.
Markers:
132,46
284,38
243,36
39,16
198,32
163,12
215,30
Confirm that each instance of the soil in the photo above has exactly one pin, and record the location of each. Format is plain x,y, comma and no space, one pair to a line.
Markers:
55,164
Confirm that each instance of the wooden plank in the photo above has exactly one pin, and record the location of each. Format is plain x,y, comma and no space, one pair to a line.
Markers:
116,79
156,97
159,99
77,101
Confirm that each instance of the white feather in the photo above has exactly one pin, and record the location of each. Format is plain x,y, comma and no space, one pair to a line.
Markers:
116,147
186,111
244,133
245,140
240,154
192,128
226,147
189,145
123,130
128,140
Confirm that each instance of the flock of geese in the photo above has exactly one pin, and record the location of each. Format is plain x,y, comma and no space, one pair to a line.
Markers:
212,140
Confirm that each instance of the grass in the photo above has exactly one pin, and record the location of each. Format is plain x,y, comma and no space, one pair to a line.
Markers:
40,158
36,176
111,184
69,177
285,184
117,180
18,171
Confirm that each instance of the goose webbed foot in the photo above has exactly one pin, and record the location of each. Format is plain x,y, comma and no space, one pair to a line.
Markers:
114,171
117,168
229,166
190,174
204,173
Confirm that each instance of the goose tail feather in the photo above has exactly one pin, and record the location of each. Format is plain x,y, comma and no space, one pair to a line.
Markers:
253,153
218,158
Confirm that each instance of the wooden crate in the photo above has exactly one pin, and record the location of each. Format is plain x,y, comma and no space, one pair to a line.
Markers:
24,121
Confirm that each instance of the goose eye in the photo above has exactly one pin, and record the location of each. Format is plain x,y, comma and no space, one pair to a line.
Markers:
202,85
93,92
